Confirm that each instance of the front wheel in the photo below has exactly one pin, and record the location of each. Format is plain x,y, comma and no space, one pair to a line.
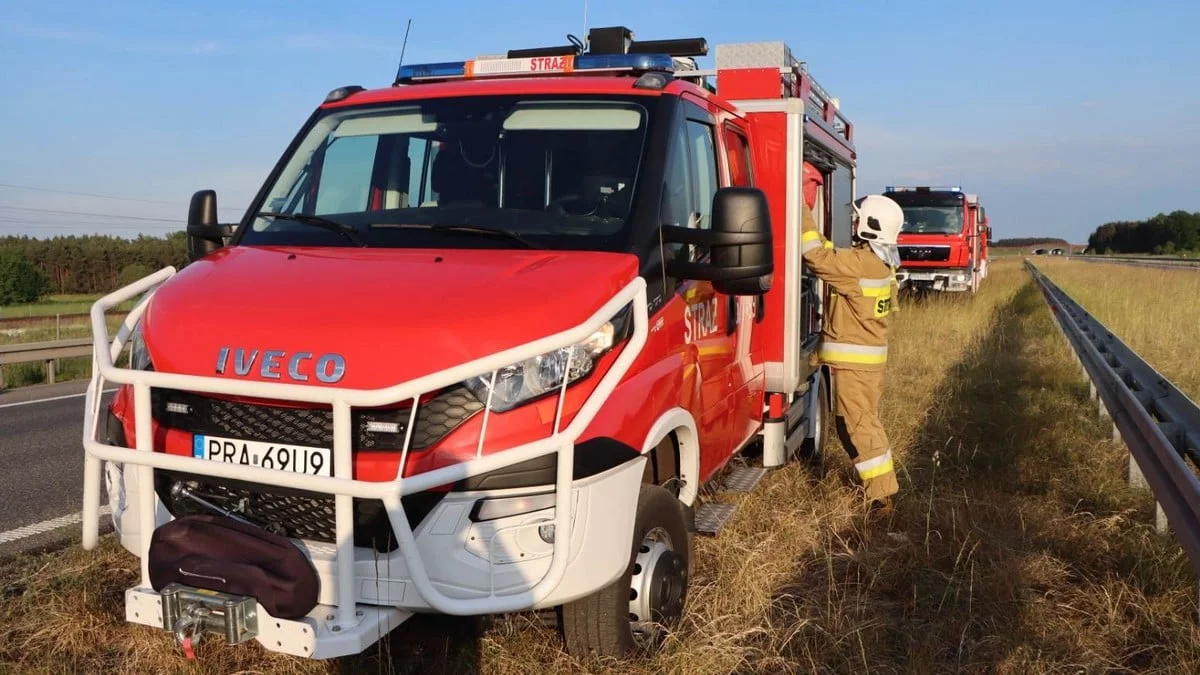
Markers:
812,451
635,612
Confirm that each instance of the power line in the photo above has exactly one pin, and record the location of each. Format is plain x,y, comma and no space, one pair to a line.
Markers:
37,221
100,196
7,230
91,214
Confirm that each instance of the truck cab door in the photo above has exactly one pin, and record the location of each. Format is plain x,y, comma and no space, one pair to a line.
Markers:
691,181
745,314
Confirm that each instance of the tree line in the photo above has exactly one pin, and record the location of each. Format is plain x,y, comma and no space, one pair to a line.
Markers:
30,267
1175,233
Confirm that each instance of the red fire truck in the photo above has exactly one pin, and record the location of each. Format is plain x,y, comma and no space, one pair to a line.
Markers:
481,340
944,243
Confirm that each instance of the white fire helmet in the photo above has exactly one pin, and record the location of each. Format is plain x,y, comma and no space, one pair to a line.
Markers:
879,219
879,223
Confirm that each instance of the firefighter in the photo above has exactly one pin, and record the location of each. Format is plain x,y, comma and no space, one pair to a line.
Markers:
854,338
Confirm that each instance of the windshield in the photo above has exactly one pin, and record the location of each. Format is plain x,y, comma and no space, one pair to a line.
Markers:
556,171
933,220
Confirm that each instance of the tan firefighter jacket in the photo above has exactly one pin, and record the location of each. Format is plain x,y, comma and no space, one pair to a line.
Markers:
863,294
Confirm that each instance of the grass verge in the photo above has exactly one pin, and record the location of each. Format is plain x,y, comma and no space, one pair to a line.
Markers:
67,303
1154,311
1015,547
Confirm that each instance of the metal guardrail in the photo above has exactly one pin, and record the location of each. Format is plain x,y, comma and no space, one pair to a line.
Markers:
43,351
1159,424
1143,261
34,321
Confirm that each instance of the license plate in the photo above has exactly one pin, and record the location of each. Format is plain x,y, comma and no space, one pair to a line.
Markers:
282,457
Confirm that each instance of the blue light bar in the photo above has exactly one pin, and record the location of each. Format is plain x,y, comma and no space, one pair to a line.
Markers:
536,65
929,188
631,62
429,71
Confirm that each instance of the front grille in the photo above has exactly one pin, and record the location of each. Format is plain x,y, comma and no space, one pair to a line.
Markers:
924,253
292,513
313,427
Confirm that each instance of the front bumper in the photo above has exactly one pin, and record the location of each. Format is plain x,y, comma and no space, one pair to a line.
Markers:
449,563
954,279
465,559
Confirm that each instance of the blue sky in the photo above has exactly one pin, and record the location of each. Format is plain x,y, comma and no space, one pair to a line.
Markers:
1061,115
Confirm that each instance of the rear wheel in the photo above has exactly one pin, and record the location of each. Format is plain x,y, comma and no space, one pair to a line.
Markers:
636,612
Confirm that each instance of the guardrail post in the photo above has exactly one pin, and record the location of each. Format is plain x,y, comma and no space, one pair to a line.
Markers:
1136,478
50,371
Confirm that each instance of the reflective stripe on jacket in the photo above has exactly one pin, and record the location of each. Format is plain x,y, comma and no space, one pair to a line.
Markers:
863,296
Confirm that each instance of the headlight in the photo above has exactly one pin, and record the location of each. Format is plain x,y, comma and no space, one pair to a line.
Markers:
531,378
139,356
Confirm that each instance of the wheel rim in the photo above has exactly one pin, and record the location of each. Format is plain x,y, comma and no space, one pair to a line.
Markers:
819,429
811,449
657,588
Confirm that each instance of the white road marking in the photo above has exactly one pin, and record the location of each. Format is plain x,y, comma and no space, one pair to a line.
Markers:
52,398
47,526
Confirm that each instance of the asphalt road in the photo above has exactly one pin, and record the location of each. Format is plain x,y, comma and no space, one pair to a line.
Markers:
41,461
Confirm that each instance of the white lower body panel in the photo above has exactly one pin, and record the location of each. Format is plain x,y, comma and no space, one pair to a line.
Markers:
315,636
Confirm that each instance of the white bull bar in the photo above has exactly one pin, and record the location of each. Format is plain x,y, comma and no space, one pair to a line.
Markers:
344,488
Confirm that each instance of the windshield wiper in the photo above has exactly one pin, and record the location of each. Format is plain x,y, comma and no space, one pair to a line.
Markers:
343,229
466,229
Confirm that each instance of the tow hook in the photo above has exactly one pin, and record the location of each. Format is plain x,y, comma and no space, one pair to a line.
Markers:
187,630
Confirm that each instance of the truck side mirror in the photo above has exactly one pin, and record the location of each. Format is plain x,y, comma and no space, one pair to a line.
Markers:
742,256
204,233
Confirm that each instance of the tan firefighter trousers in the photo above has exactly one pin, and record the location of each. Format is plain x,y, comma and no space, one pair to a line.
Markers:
862,433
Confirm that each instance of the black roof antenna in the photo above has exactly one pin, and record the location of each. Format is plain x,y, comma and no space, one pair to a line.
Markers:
405,45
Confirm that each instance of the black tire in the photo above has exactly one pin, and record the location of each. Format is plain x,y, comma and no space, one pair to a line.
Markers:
601,625
812,451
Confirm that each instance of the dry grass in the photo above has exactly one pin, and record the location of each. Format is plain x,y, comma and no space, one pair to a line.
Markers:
1015,547
1155,311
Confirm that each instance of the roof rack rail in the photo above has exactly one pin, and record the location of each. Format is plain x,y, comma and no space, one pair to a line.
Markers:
792,81
923,188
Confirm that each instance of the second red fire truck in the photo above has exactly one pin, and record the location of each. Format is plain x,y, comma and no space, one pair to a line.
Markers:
944,243
480,343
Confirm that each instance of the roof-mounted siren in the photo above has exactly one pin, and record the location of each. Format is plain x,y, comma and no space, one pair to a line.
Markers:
612,40
618,40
